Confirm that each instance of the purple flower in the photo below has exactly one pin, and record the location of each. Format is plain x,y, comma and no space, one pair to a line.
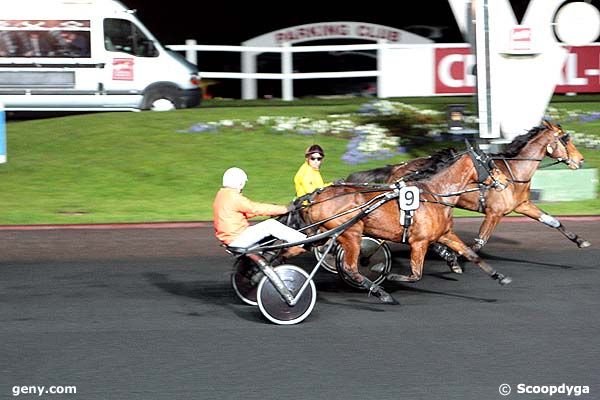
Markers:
200,128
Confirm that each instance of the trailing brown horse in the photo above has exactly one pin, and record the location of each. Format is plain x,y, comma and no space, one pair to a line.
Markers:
518,161
439,186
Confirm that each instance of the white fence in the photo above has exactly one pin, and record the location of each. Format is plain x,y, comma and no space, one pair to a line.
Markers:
402,69
287,76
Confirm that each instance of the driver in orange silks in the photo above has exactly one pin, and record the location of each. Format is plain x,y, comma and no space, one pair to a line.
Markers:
231,211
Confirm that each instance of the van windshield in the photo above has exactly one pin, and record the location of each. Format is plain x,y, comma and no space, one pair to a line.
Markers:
124,36
45,38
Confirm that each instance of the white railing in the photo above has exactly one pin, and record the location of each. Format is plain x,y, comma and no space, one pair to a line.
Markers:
287,76
248,76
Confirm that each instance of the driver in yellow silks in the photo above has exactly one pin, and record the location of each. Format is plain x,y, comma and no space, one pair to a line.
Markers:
308,178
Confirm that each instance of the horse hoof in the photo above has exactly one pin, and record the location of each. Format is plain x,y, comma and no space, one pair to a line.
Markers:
582,244
386,298
457,269
382,295
505,281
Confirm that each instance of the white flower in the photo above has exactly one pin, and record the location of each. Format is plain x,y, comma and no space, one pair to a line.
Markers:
227,123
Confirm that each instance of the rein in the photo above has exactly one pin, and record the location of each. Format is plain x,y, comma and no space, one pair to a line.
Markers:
365,209
512,176
353,209
477,189
374,187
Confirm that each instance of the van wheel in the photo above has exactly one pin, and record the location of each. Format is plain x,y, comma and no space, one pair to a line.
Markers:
160,100
162,105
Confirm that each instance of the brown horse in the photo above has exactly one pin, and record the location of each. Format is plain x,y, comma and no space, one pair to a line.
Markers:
518,161
439,186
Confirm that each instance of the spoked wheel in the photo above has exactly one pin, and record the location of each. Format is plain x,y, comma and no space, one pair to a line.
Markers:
329,261
245,279
274,307
374,261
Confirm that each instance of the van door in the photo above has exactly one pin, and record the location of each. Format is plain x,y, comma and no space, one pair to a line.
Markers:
132,62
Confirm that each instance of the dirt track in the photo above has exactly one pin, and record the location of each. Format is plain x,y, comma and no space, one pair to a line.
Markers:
150,314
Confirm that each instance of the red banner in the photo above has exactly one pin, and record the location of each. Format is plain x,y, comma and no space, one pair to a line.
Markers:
454,71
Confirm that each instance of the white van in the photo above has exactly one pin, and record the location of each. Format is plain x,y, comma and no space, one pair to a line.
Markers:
80,55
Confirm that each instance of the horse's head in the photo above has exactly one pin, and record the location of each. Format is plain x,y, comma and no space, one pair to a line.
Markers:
561,146
487,172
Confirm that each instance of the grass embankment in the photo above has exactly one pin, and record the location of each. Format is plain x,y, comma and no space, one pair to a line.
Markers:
131,167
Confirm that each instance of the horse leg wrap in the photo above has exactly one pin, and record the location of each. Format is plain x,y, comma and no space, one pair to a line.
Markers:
444,252
549,220
449,255
367,284
478,244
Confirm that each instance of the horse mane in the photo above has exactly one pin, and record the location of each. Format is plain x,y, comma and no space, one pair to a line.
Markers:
375,175
514,147
433,164
436,162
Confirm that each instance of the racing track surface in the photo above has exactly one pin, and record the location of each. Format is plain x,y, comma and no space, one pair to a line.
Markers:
150,314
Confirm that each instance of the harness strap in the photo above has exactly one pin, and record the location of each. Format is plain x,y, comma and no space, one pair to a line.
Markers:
512,175
482,171
406,219
483,189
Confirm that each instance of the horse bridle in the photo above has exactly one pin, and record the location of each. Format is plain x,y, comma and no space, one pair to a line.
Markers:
564,141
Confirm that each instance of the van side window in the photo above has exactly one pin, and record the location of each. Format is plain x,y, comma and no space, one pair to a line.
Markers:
124,36
49,38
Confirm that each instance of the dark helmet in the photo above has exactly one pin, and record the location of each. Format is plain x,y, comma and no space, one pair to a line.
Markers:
315,148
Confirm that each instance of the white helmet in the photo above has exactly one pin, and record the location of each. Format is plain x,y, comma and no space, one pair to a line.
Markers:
235,178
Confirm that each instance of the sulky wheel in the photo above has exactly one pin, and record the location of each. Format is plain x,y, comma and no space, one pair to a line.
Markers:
244,279
329,261
374,261
274,307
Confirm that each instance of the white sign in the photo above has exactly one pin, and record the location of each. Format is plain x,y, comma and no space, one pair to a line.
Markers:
409,198
335,30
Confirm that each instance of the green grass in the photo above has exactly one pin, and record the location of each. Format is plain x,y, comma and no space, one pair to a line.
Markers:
130,167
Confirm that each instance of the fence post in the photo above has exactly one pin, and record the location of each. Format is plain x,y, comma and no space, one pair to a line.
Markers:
2,134
191,55
381,54
287,83
249,91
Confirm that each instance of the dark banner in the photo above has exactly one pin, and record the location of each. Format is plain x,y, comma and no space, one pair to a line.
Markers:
47,39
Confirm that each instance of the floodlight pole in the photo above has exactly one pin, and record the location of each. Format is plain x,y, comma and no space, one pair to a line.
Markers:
479,13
